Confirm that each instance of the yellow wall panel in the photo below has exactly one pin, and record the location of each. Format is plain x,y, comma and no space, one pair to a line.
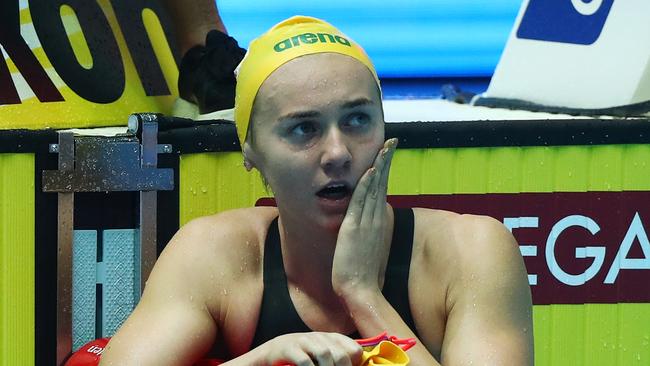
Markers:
538,168
571,168
504,170
17,288
636,167
606,168
215,182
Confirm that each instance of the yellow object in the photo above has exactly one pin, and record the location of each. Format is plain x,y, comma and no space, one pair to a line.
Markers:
287,40
385,353
17,260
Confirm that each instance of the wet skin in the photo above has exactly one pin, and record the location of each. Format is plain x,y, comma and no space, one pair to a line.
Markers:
317,121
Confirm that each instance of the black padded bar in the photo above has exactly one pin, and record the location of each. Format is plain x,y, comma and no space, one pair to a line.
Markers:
220,135
26,141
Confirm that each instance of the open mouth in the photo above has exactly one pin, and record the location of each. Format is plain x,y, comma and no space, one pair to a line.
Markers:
334,192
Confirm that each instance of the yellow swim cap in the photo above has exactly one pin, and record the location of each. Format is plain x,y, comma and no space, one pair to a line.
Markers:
287,40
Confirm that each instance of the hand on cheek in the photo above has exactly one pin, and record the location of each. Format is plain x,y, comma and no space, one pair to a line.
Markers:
360,248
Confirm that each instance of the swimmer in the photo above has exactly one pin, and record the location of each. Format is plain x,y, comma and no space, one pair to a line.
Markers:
333,261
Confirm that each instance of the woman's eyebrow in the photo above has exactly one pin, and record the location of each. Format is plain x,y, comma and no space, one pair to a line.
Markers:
356,103
300,114
311,114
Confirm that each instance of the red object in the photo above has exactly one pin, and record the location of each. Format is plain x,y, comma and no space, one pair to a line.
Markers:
89,354
403,343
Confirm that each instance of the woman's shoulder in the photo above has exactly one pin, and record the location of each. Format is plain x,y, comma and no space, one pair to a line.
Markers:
460,237
460,242
223,236
236,220
435,221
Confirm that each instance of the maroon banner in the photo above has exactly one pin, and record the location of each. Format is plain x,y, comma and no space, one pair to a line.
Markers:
578,247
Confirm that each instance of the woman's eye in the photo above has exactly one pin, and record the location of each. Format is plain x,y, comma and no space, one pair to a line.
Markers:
303,129
357,120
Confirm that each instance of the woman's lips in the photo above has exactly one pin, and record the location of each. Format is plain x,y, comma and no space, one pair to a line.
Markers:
334,205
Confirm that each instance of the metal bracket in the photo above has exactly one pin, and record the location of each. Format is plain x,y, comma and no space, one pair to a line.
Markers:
104,164
110,164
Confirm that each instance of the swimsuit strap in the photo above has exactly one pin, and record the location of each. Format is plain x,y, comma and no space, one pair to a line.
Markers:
396,281
277,314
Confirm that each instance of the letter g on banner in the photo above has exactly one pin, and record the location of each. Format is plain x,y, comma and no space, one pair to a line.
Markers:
104,82
597,253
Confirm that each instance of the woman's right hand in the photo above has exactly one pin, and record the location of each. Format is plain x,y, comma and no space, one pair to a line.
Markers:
312,349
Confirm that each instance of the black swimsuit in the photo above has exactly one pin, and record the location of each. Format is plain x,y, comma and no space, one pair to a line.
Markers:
278,315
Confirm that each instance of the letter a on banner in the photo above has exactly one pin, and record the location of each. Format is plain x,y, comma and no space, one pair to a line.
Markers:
635,231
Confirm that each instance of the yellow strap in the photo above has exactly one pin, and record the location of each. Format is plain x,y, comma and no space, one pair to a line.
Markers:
385,353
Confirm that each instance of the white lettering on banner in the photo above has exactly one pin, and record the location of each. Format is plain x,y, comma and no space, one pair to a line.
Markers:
527,250
621,261
635,231
598,253
587,7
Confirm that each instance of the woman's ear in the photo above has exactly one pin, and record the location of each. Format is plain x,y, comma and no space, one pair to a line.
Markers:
249,160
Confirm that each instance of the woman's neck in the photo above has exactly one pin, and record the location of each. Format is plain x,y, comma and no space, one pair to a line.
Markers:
307,251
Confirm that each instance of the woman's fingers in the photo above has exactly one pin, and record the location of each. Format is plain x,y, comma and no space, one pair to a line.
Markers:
382,180
358,199
369,189
330,349
376,193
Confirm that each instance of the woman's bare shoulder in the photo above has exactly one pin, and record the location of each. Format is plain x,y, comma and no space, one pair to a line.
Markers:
464,248
454,228
450,238
222,238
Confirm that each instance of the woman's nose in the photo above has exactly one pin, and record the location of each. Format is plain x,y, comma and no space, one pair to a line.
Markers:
336,157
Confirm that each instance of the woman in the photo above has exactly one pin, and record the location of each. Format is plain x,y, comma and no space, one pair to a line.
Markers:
333,261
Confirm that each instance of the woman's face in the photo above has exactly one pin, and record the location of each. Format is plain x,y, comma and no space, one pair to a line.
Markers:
317,126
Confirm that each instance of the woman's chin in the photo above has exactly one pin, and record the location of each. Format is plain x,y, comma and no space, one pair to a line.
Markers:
332,223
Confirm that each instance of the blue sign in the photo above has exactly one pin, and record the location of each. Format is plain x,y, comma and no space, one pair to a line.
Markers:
565,21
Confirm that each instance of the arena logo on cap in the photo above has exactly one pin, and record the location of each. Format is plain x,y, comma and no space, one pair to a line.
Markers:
309,38
574,21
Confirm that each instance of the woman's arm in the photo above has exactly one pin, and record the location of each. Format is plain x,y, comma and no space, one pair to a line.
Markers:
171,324
490,320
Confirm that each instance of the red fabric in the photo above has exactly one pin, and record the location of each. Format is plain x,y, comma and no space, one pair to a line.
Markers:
89,354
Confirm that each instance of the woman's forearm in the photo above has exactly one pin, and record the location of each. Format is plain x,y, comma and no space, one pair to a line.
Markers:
373,314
